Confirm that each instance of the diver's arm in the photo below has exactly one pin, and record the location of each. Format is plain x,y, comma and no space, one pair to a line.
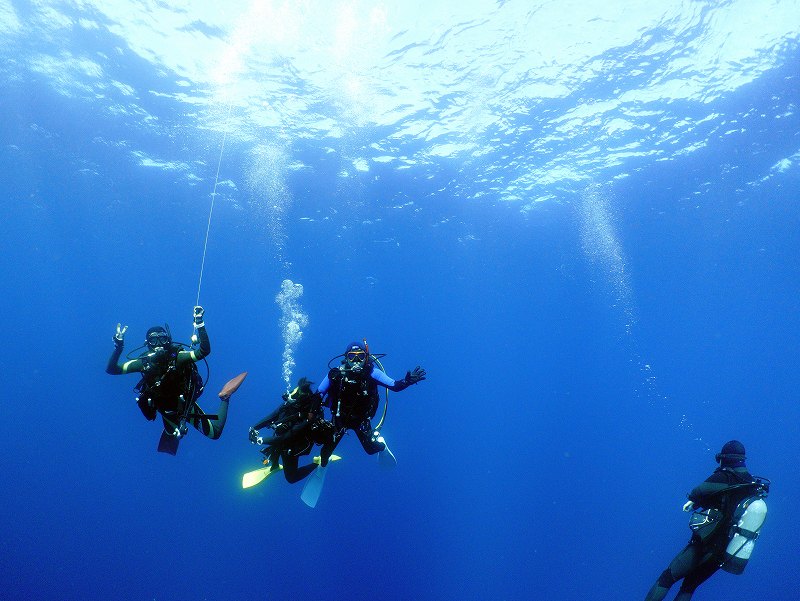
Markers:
200,326
115,368
397,385
285,437
324,385
384,380
205,344
196,354
268,419
322,391
704,494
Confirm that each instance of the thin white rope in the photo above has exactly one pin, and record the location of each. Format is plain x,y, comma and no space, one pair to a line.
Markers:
211,210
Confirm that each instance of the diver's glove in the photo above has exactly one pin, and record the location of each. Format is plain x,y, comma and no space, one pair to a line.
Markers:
412,377
198,316
119,337
688,506
255,436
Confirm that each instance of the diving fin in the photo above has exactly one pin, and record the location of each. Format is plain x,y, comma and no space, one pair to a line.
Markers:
232,386
331,458
250,479
313,487
386,459
168,443
256,476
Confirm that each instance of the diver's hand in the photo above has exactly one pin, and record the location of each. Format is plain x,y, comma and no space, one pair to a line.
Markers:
254,436
198,316
120,335
412,377
688,506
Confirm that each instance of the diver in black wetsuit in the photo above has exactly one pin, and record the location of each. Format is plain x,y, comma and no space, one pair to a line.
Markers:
719,496
170,383
298,424
351,393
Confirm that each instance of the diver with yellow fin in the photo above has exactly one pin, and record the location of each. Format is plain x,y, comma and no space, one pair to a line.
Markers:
298,424
728,512
171,383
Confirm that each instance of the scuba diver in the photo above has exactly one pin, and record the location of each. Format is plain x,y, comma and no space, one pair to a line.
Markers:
351,394
350,391
298,424
729,510
171,384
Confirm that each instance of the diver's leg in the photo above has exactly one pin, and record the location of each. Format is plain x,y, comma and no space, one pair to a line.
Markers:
661,587
170,427
678,568
697,577
327,449
366,435
211,427
292,472
271,454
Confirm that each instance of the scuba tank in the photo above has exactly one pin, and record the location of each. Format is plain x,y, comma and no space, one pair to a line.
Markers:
751,514
748,518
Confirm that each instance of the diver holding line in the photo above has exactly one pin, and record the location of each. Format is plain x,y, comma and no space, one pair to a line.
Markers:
170,383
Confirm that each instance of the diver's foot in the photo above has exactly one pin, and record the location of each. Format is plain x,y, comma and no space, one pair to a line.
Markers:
376,437
381,440
174,433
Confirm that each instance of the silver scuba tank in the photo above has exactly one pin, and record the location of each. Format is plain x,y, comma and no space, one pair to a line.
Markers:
751,512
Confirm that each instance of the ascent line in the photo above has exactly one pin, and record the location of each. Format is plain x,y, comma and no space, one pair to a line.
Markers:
211,210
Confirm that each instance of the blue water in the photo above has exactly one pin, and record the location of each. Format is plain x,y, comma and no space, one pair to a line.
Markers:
583,223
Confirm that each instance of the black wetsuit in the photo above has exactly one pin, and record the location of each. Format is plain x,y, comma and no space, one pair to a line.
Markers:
298,425
705,552
166,376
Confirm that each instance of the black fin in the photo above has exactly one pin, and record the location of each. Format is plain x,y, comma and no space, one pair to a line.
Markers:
168,443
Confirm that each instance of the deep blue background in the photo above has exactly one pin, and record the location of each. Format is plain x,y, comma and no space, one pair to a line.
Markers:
541,458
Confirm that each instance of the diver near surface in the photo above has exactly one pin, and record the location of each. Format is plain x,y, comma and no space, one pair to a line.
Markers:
351,394
170,383
729,511
298,424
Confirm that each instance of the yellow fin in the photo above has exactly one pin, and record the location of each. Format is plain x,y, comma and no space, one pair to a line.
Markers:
256,476
333,458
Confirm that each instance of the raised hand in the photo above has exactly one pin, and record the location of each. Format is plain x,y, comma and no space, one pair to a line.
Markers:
119,337
412,377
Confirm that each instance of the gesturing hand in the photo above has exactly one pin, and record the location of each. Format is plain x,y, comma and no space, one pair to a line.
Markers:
120,335
412,377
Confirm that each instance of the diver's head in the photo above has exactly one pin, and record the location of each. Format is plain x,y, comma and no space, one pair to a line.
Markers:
157,337
301,391
355,355
731,455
